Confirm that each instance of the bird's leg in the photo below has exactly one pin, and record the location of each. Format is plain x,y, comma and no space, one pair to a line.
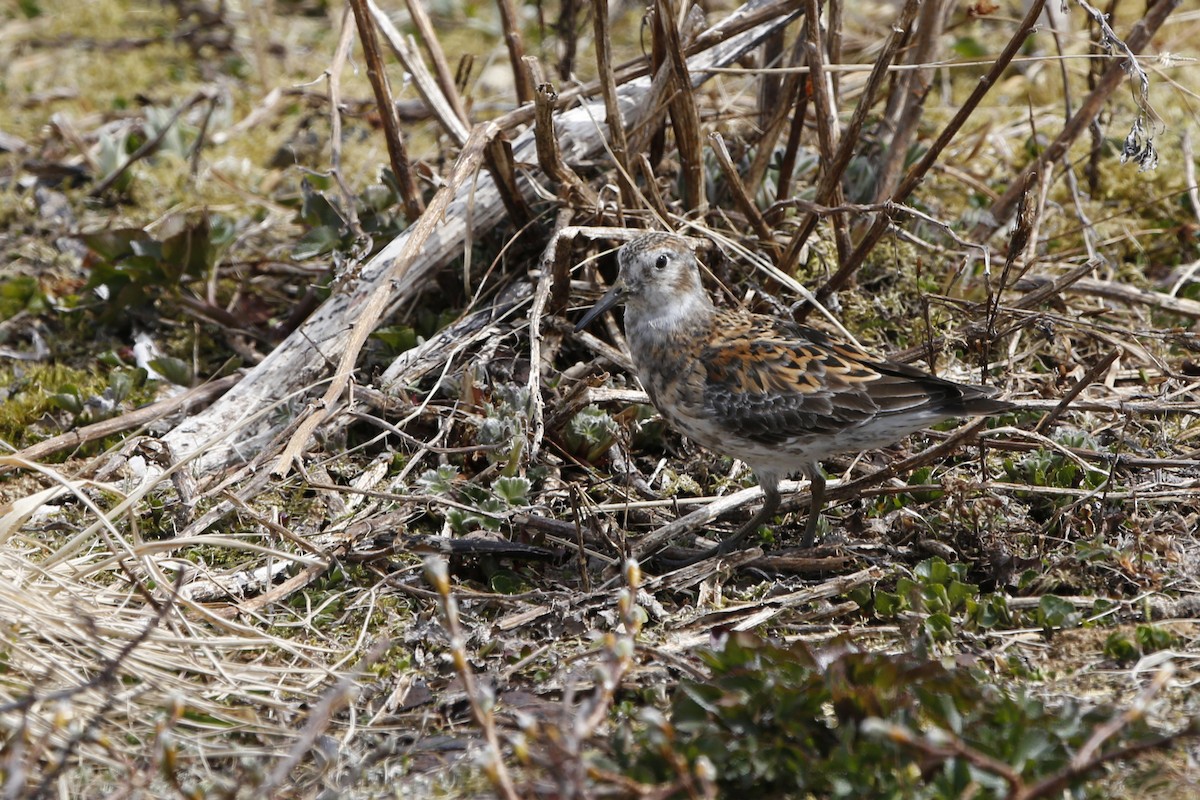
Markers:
769,483
769,507
817,493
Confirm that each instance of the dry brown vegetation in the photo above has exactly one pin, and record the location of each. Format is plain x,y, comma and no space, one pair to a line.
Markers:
309,489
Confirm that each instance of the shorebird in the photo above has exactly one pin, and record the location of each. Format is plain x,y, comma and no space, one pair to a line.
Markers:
779,396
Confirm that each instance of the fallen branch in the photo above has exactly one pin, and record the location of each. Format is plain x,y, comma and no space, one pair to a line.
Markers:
335,331
197,396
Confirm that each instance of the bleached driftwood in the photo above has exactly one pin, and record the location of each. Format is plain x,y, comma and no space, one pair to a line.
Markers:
241,423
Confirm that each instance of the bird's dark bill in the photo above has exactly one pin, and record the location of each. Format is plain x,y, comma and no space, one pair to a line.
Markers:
610,299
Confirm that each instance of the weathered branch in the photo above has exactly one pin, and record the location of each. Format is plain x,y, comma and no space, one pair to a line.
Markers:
336,330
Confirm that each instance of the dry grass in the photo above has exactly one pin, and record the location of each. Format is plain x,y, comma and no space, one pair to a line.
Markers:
431,595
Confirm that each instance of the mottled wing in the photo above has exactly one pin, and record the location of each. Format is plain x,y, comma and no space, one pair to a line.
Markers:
770,381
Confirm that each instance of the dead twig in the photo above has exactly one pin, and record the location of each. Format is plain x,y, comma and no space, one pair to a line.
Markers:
776,107
831,176
912,87
481,700
442,98
468,162
150,146
516,50
828,134
1087,380
321,717
537,403
741,197
397,152
1133,295
333,76
441,68
1139,37
917,172
612,108
198,396
685,117
571,186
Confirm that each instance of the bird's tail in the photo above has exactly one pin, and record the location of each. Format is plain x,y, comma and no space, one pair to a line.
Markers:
978,401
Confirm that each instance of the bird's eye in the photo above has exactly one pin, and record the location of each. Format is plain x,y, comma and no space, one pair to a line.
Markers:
661,262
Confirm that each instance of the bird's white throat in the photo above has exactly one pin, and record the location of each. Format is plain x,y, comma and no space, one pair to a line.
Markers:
681,311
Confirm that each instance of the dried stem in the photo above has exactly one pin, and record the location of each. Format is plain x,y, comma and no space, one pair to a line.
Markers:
149,146
1057,17
832,175
321,717
139,417
481,701
516,50
918,170
1089,377
334,77
1141,35
774,116
741,197
826,117
612,108
498,156
650,190
568,35
770,84
787,165
466,166
441,68
685,117
443,99
833,40
1022,233
447,109
571,186
914,86
397,152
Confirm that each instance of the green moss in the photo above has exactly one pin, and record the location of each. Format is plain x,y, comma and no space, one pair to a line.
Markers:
28,413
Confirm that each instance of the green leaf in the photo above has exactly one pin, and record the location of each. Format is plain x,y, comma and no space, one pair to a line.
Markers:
940,627
934,570
591,432
68,400
397,338
968,47
21,293
506,582
888,604
188,251
992,611
958,593
492,509
1152,638
175,370
120,384
1120,648
513,491
317,242
440,480
113,245
111,358
1054,612
462,522
317,210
